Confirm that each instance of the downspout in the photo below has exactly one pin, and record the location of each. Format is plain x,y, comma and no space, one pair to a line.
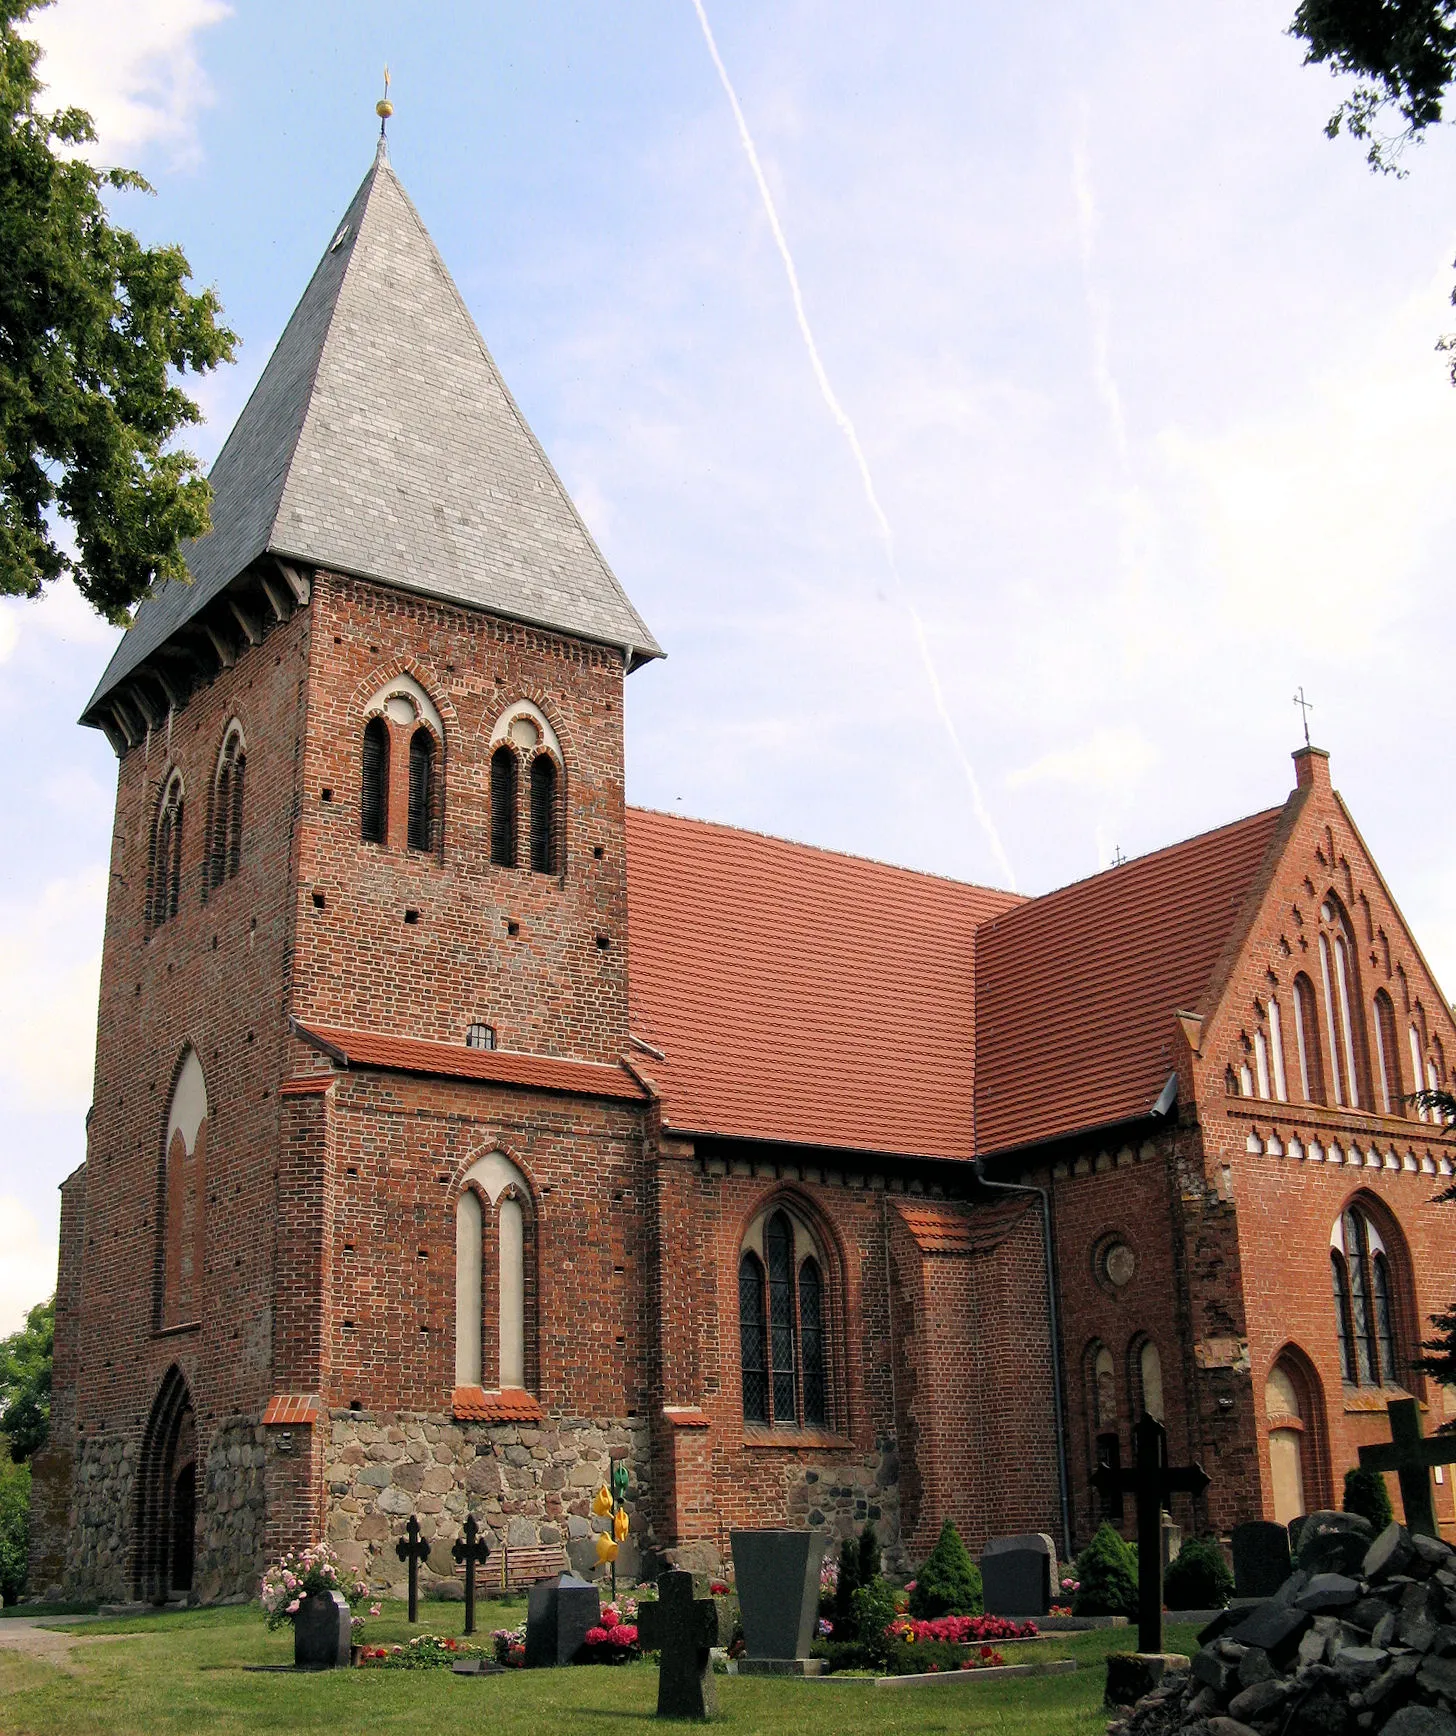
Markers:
1053,1321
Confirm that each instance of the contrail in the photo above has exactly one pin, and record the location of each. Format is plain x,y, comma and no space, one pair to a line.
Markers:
840,415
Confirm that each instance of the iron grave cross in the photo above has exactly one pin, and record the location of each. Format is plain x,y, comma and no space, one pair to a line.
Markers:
1150,1481
470,1547
414,1549
683,1628
1411,1457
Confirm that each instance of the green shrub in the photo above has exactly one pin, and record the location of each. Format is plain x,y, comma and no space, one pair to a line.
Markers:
874,1610
923,1657
1199,1578
1367,1495
850,1580
1107,1576
869,1555
949,1582
14,1525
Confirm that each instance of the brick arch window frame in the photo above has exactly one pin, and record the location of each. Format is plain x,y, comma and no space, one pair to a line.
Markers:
497,1266
1295,1364
1387,1054
545,804
791,1359
164,864
505,803
225,811
1103,1414
1307,1039
525,729
1145,1376
421,824
1373,1295
374,782
1344,1022
390,813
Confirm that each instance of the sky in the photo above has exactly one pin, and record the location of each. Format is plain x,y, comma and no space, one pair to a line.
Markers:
1122,420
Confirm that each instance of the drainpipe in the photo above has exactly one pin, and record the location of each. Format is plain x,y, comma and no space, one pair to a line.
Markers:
1058,1404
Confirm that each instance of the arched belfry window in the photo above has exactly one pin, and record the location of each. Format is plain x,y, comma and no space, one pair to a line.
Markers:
543,814
504,779
784,1325
164,880
421,828
1365,1301
225,849
374,794
494,1277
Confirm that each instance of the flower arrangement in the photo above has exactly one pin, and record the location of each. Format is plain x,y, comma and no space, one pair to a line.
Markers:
615,1640
959,1630
424,1652
285,1585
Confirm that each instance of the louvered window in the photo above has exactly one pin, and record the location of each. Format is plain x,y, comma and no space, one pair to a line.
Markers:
374,795
752,1338
543,814
503,778
421,790
165,878
225,850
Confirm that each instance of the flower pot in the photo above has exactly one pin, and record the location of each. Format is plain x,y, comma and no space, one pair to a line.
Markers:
322,1636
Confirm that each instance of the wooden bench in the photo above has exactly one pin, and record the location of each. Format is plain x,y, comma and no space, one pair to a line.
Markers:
521,1568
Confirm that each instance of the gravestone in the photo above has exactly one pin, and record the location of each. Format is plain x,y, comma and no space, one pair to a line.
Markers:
1261,1558
1018,1574
683,1627
322,1634
1411,1458
413,1549
777,1579
559,1613
471,1549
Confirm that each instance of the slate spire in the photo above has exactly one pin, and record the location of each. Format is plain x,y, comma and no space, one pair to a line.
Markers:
381,441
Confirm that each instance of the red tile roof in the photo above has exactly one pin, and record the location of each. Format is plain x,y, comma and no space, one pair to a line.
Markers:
946,1230
455,1061
801,995
291,1408
1076,991
472,1404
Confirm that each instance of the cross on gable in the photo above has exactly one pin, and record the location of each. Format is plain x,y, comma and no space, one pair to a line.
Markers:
684,1628
1150,1479
1411,1456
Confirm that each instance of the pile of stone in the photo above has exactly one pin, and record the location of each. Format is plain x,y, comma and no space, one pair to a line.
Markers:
1361,1637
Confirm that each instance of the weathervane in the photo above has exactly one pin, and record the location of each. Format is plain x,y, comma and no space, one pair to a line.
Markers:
1305,706
384,108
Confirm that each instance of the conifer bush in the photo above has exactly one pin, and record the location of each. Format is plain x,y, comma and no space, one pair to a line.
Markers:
1199,1578
848,1583
949,1582
1367,1495
1107,1576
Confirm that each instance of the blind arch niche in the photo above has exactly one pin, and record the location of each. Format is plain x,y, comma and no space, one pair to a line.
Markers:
490,1274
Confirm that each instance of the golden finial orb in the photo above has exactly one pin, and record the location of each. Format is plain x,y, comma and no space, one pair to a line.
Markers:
384,108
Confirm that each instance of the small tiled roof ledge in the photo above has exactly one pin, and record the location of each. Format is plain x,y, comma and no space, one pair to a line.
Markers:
685,1416
473,1404
291,1410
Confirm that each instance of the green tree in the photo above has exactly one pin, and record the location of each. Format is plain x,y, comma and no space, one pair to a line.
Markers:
1106,1572
14,1527
25,1381
93,328
1367,1495
1198,1577
949,1582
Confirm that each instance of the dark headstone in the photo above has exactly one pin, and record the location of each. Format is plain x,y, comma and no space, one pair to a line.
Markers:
1017,1574
1391,1552
321,1632
777,1574
683,1627
559,1613
1261,1558
1331,1542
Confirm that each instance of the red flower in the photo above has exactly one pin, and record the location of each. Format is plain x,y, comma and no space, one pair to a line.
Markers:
596,1636
609,1617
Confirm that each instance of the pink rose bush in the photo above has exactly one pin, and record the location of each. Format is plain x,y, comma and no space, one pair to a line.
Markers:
285,1585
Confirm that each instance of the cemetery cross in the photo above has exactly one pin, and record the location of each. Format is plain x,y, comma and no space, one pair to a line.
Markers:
684,1629
414,1549
471,1548
1150,1481
1411,1457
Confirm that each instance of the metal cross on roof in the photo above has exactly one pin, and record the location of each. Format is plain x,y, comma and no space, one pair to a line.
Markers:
1151,1480
1411,1457
1306,707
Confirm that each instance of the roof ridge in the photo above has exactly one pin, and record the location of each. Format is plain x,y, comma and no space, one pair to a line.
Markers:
824,850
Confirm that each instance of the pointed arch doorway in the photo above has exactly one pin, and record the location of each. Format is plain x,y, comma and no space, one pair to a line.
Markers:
167,1495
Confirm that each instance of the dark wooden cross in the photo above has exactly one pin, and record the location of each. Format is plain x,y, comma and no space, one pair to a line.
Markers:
1150,1481
683,1628
414,1549
1411,1457
470,1547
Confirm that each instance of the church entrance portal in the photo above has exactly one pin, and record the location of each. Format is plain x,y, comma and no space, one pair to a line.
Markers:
167,1495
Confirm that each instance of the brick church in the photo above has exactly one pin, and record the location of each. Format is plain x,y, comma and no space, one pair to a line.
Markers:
458,1128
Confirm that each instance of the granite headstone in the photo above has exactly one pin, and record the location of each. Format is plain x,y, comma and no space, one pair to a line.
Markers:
683,1627
777,1574
1261,1558
322,1634
559,1613
1018,1573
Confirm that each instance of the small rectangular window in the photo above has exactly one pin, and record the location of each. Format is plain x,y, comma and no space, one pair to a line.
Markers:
480,1036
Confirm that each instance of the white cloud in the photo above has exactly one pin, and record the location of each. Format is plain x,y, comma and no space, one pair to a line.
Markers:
1109,760
28,1259
133,67
50,968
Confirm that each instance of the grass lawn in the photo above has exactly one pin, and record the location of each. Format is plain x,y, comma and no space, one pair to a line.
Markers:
185,1672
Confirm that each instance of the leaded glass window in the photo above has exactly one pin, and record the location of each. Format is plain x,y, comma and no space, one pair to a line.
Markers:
778,1247
752,1339
811,1340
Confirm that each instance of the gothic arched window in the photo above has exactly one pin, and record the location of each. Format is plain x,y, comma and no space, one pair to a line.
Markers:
503,781
164,880
1307,1040
1364,1300
225,851
374,795
493,1277
421,828
783,1326
543,814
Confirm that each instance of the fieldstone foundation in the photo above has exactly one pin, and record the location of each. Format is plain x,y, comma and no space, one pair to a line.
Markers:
231,1514
842,1499
98,1560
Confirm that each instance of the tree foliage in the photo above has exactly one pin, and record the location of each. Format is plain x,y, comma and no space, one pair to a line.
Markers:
1106,1573
14,1528
25,1381
949,1582
1367,1495
1198,1577
93,328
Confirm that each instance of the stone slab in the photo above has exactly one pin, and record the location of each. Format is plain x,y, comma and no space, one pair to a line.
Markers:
1130,1675
781,1666
994,1673
1262,1557
777,1576
1079,1624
